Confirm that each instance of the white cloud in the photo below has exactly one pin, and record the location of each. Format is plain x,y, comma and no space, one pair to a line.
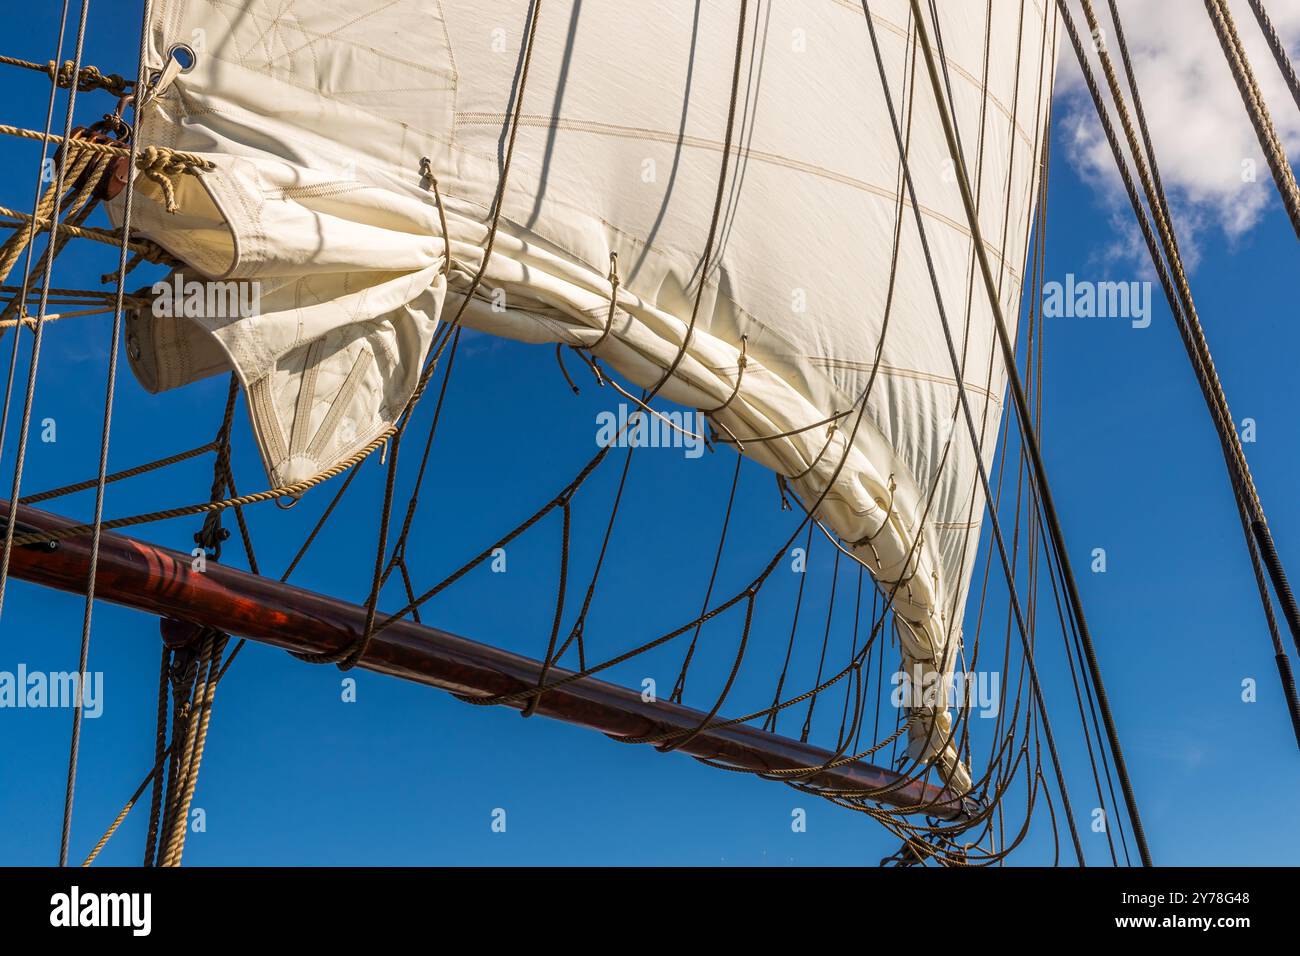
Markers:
1199,126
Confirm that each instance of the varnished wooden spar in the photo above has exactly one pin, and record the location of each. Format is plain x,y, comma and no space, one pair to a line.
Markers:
160,581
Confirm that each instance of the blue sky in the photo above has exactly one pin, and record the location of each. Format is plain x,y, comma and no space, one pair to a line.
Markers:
407,775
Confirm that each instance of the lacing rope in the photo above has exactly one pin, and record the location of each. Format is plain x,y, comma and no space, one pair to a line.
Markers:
613,302
426,171
740,375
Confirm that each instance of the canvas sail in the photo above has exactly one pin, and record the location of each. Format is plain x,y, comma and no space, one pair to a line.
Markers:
317,116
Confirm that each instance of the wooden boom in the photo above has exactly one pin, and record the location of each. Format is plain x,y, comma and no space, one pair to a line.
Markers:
160,581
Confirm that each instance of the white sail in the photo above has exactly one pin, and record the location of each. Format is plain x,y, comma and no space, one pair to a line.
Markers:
316,117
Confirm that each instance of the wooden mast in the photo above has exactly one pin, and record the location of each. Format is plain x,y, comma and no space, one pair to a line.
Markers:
160,581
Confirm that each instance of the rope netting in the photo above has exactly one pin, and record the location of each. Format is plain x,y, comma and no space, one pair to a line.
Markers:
831,688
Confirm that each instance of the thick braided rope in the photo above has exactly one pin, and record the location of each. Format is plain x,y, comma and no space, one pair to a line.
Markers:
1244,77
15,245
159,163
77,207
182,677
213,646
146,248
1203,362
1279,50
87,79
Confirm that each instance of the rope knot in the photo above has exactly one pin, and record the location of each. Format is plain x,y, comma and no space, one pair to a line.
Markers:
163,165
87,79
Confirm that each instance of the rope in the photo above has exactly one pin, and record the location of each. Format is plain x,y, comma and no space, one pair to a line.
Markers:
1279,50
1251,510
80,195
91,184
159,163
1244,77
117,821
192,746
1024,415
117,475
192,729
147,248
88,78
22,297
161,750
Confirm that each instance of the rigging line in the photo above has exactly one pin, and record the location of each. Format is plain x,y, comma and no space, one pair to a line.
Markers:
705,263
451,579
27,265
27,408
861,703
162,750
911,561
193,745
109,390
562,592
679,687
146,248
902,169
347,657
88,78
1256,108
954,613
1035,527
499,198
1036,531
82,173
1264,542
769,722
747,594
130,803
1030,441
979,443
579,624
399,546
826,639
1008,357
28,323
1182,306
1279,49
1187,321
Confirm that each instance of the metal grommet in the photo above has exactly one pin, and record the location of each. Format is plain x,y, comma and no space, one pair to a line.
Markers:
132,346
183,54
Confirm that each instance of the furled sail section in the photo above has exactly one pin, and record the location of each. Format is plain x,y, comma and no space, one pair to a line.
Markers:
318,118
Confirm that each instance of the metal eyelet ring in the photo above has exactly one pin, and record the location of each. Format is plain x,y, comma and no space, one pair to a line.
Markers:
183,54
